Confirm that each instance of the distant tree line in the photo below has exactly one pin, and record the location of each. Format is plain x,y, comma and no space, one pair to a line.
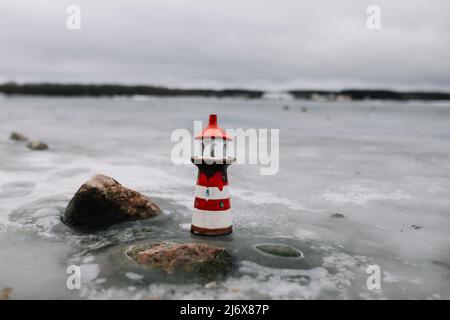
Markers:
53,89
373,94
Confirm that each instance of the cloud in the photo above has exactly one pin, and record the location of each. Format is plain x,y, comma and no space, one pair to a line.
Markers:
202,43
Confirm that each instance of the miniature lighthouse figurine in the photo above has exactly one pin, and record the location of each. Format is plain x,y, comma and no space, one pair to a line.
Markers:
212,212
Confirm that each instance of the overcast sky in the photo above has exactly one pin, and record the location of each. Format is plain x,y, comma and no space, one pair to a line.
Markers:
231,43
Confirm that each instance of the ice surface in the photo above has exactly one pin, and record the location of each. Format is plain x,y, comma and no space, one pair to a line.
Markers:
385,166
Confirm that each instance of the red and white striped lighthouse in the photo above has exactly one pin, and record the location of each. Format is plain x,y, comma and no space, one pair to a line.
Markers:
212,211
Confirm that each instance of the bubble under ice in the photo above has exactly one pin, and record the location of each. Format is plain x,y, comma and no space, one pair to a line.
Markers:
384,166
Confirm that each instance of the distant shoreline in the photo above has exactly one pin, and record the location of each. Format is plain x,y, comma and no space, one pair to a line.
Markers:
99,90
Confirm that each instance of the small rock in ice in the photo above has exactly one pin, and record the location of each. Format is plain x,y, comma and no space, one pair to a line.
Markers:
211,285
37,145
134,276
18,136
5,293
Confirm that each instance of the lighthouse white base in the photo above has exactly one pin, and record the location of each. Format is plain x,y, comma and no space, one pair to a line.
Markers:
212,219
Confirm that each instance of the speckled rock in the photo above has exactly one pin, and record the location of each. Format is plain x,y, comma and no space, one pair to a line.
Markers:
199,258
102,201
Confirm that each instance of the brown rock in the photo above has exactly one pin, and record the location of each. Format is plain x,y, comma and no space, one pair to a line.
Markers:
102,201
5,293
200,258
37,145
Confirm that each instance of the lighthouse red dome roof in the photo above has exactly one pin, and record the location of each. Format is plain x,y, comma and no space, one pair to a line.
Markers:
213,130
